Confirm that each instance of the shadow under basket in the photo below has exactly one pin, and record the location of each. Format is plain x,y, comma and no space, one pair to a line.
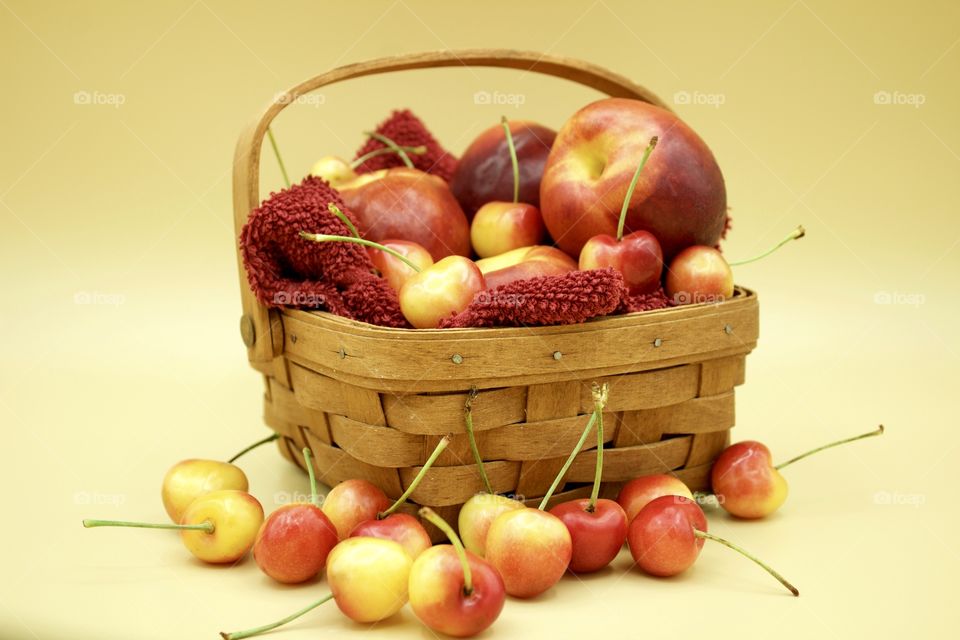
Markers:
373,402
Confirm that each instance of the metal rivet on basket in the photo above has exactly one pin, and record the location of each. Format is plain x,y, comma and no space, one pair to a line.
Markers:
457,358
293,338
727,329
247,331
342,353
657,342
557,355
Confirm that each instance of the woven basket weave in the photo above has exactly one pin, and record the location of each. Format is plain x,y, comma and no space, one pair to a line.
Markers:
372,402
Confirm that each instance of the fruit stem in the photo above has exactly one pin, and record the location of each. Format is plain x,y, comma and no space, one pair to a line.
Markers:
796,234
599,400
468,419
419,477
576,449
308,459
206,526
323,237
743,552
256,444
382,152
335,210
431,516
513,158
276,152
876,432
237,635
393,147
633,185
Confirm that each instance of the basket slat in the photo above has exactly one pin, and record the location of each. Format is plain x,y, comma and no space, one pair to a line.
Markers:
697,415
721,374
445,486
624,463
333,465
441,414
705,447
647,389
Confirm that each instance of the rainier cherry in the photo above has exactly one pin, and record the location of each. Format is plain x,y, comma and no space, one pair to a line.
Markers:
746,482
598,527
479,512
666,537
639,492
453,591
701,274
637,256
499,227
532,548
430,294
294,541
219,527
368,580
189,479
336,170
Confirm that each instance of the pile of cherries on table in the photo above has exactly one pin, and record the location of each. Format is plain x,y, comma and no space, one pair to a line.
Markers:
377,558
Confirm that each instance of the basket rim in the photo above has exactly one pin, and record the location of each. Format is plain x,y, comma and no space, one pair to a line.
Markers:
742,296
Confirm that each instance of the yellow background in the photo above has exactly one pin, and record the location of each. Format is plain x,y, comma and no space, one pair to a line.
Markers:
120,349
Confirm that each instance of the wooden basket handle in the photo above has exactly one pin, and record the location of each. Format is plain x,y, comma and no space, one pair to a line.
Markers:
261,328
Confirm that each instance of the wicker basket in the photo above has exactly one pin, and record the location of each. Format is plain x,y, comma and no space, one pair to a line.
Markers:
373,402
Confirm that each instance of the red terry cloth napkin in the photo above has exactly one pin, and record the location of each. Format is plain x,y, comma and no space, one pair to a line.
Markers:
645,302
284,269
406,129
568,298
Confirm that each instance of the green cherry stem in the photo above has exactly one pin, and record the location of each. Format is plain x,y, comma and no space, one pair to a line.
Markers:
876,432
335,210
256,444
382,152
796,234
393,147
468,421
419,477
308,460
513,158
431,516
599,400
598,407
323,237
633,185
205,526
276,152
743,552
238,635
